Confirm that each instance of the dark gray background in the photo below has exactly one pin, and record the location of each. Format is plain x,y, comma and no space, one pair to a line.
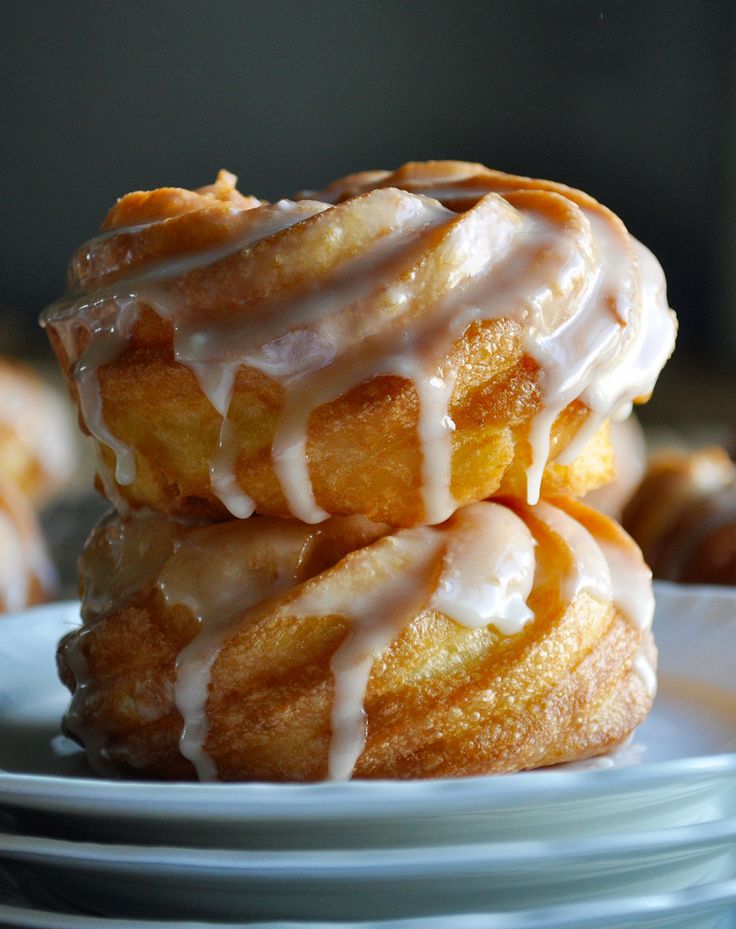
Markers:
631,101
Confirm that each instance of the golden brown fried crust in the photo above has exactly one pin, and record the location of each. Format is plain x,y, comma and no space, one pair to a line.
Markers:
442,700
156,406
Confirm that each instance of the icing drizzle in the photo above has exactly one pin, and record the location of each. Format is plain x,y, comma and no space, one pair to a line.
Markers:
608,572
402,269
478,569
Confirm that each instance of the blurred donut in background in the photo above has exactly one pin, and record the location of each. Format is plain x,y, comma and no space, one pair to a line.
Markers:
27,576
37,448
38,457
683,516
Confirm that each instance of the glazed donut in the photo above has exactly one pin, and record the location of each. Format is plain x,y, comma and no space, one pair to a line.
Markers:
683,516
26,574
508,637
37,451
435,337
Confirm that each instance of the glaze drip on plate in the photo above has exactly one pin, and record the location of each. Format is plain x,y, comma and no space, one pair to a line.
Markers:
407,262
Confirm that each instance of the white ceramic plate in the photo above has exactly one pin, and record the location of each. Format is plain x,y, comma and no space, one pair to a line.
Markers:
367,883
690,733
708,907
679,769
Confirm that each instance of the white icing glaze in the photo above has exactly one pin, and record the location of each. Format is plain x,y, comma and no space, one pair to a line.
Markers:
587,356
590,301
632,583
540,430
608,571
477,569
393,590
634,598
590,571
488,569
107,479
643,667
349,347
223,474
218,576
628,372
434,429
109,313
290,462
109,333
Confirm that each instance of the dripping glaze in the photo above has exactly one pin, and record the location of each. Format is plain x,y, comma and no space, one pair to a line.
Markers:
590,300
608,571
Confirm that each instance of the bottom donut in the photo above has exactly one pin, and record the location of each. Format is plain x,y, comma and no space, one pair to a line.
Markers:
509,637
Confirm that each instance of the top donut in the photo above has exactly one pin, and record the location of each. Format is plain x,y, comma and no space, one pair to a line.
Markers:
396,345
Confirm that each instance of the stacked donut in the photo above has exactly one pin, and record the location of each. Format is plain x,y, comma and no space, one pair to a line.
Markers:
342,434
35,460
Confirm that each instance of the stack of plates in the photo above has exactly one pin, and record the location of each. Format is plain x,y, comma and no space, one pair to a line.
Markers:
643,838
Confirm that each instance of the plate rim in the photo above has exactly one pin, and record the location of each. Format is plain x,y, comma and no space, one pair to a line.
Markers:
336,862
695,900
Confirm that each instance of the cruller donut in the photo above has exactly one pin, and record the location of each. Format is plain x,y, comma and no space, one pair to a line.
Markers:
436,336
508,637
